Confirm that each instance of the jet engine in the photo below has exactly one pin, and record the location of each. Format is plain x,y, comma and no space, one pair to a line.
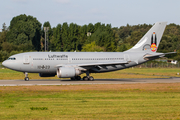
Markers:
47,74
67,72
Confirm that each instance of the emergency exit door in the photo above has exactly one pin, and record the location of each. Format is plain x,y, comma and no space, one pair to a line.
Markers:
26,59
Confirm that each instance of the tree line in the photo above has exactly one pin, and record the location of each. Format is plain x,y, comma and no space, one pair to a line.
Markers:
26,33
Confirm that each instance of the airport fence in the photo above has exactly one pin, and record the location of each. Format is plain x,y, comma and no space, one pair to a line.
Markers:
158,65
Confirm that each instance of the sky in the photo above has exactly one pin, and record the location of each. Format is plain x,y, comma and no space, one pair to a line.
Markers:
115,12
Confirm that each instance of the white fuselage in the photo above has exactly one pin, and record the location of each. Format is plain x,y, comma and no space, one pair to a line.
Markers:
48,62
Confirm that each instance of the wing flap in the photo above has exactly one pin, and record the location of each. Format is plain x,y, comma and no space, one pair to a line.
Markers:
93,64
103,63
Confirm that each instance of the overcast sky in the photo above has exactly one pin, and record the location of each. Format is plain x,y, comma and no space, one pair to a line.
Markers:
115,12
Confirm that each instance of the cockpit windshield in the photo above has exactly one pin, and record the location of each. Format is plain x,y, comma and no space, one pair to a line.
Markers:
11,58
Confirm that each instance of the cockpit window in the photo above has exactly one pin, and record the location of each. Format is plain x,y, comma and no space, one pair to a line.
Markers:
11,58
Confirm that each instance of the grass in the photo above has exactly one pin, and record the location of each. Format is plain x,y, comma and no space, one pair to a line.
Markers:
6,74
127,101
89,102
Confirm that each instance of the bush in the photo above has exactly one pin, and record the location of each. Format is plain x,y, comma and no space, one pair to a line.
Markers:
3,55
38,108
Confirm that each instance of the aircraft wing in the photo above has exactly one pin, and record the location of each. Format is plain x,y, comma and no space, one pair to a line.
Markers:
93,64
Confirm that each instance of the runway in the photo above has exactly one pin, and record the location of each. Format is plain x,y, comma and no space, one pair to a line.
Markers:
97,81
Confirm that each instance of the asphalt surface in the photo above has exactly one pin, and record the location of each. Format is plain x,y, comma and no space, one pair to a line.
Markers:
97,81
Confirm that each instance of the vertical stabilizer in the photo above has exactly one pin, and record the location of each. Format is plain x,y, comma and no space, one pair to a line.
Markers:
150,41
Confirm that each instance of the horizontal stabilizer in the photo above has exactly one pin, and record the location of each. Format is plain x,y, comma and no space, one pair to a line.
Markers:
158,55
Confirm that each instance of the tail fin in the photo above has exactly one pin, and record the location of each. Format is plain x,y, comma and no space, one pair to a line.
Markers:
150,41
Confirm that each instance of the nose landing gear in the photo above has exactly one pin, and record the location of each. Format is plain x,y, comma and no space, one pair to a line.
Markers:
26,76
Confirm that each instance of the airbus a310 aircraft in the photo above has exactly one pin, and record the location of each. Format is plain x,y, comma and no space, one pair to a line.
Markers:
73,64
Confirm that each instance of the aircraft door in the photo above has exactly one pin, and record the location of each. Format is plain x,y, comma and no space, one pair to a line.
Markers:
26,59
126,57
69,60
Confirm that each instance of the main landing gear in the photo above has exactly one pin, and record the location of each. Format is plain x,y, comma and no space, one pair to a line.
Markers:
85,78
26,76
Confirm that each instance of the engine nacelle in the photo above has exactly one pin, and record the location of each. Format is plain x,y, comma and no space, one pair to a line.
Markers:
47,74
67,72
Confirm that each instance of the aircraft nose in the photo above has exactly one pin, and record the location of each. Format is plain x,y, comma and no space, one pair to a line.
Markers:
4,63
11,64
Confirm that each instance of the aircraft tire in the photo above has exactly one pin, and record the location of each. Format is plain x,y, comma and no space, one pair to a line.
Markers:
78,77
26,79
91,78
85,78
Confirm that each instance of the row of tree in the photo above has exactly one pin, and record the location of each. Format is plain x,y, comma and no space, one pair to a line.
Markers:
26,33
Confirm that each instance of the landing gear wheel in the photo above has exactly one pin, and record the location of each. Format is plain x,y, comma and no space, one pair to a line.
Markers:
91,78
26,79
85,78
26,76
73,78
78,77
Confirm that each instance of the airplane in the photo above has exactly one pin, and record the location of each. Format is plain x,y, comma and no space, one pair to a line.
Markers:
73,64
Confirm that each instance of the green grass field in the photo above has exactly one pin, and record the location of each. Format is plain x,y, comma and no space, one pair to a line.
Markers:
89,102
6,74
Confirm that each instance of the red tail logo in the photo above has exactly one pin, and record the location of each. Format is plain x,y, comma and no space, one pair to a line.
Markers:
153,42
